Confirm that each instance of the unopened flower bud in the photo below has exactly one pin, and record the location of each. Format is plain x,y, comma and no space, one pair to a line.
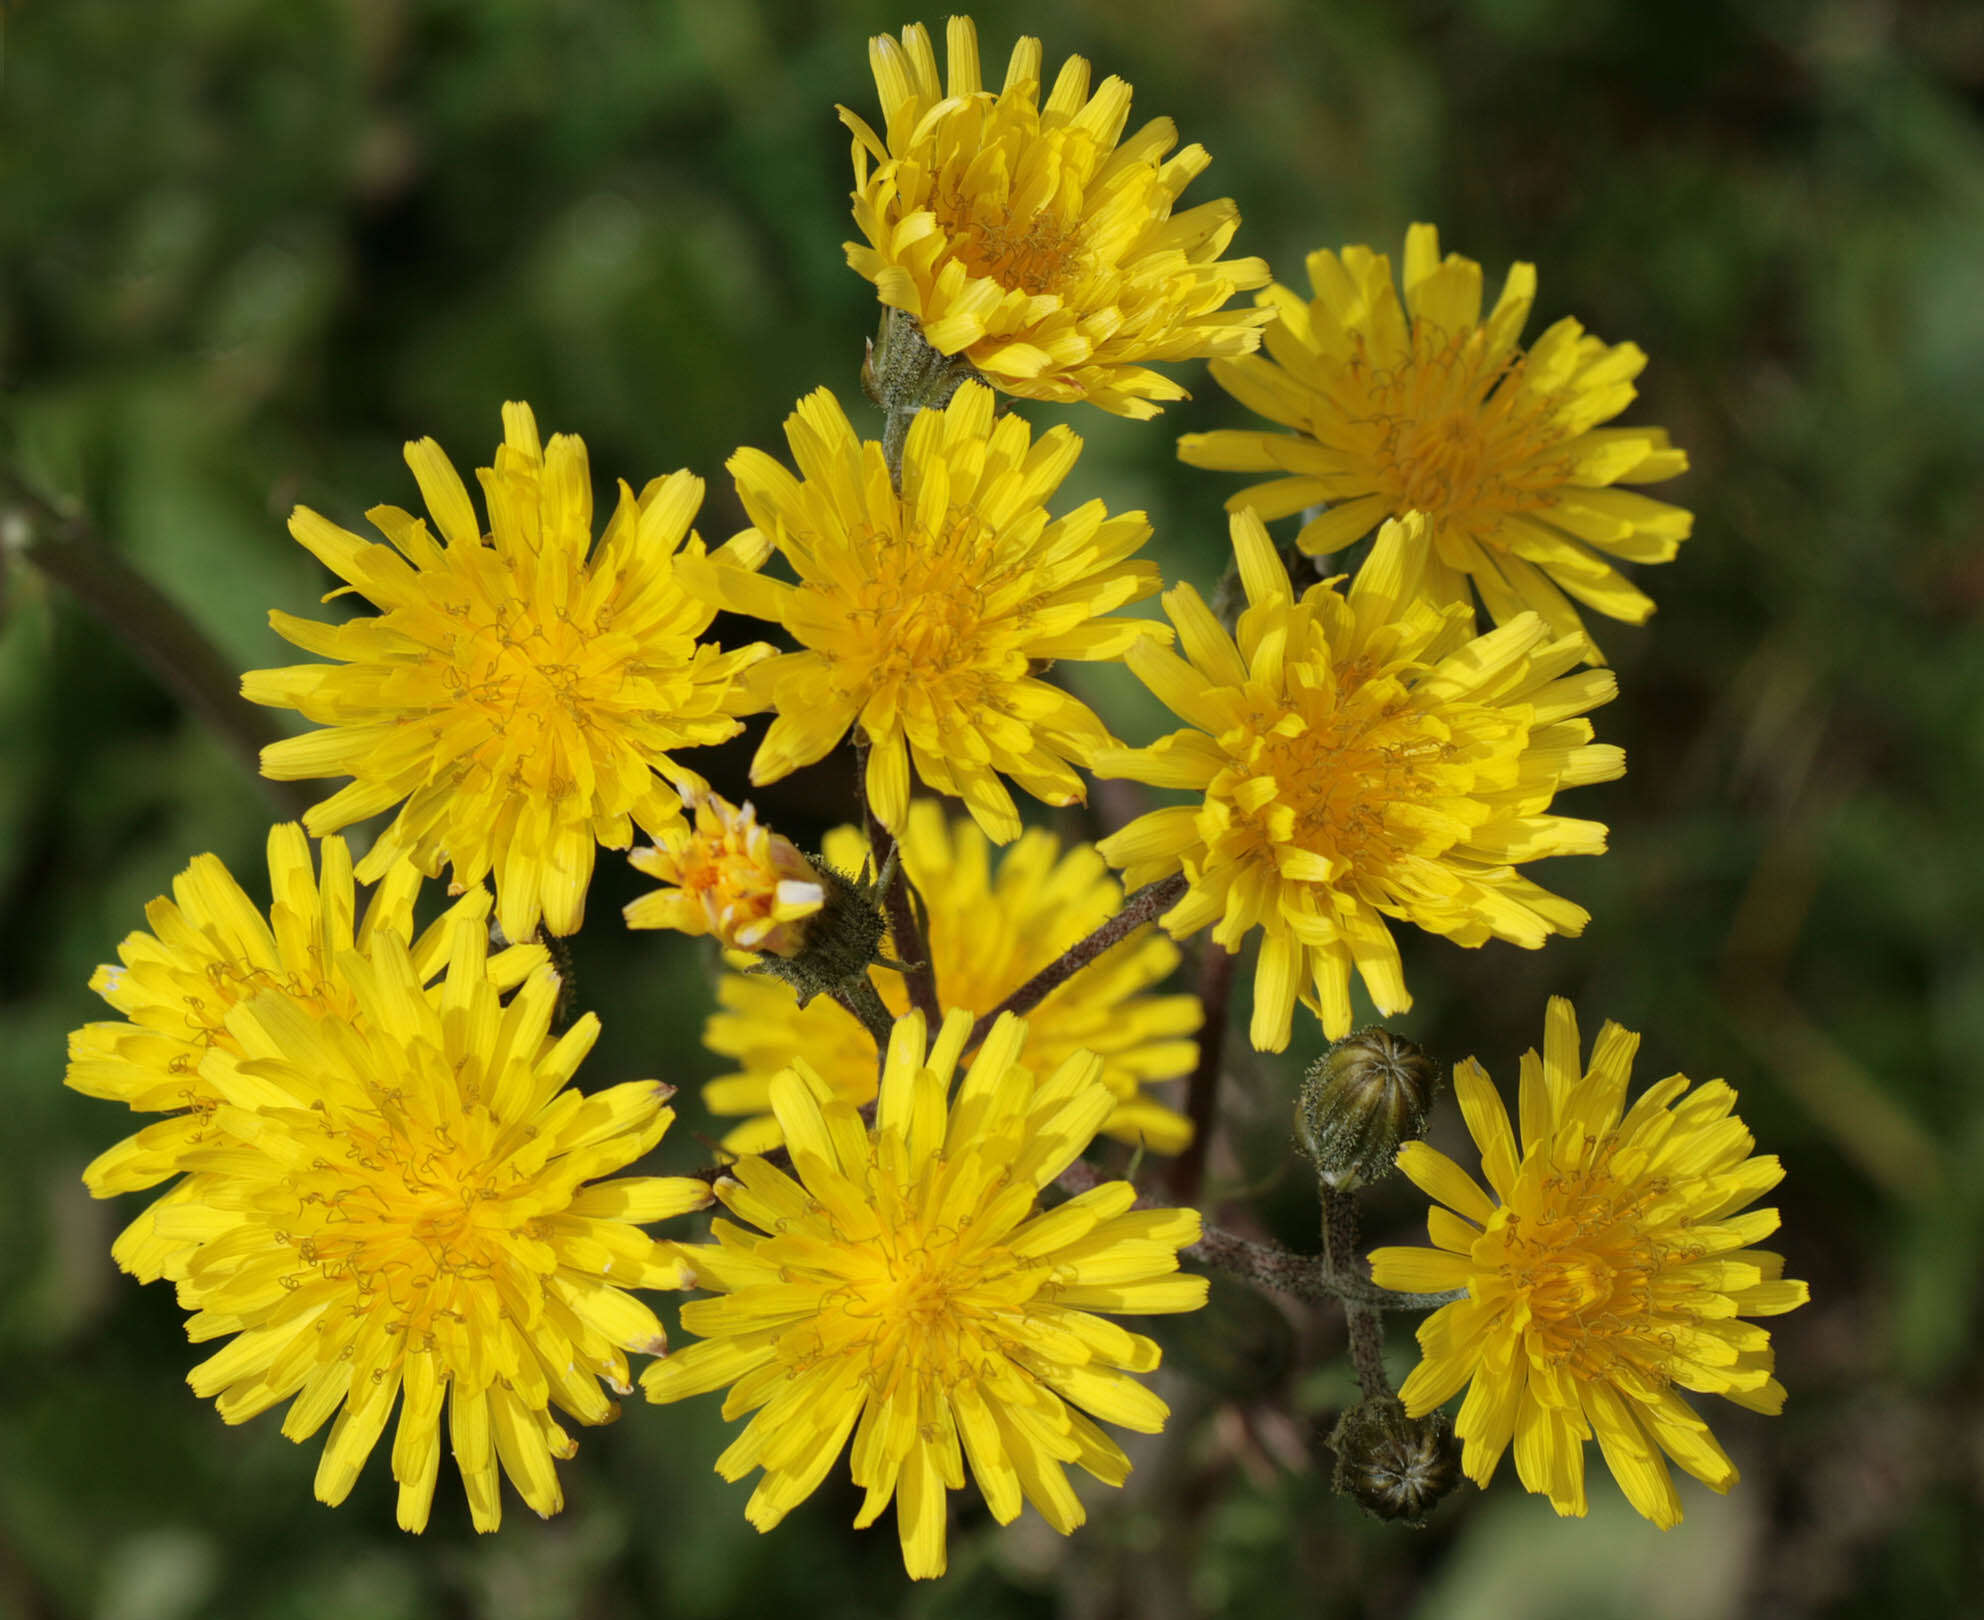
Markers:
1397,1467
1359,1101
843,939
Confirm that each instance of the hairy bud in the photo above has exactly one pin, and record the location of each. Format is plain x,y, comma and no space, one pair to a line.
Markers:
1397,1467
1359,1101
843,939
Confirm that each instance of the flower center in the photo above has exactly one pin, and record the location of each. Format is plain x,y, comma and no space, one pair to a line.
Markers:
1577,1251
403,1211
920,614
1030,253
1330,770
1460,438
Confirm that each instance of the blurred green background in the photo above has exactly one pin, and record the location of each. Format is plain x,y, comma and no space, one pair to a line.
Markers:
249,246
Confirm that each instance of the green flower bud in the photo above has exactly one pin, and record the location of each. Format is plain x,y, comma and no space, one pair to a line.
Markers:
1359,1101
1397,1467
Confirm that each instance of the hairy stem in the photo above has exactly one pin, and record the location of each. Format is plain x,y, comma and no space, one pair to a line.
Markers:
861,998
1268,1265
1367,1327
67,548
1186,1173
1143,906
900,905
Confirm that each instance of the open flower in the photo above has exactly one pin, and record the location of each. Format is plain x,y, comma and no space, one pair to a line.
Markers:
1611,1265
395,1208
517,694
208,950
733,878
990,930
1427,407
923,614
907,1290
1023,237
1361,755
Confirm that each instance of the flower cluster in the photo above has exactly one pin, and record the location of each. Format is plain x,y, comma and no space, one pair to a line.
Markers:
382,1188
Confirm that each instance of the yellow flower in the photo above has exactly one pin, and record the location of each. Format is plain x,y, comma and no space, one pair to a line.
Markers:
519,696
989,932
923,614
1429,408
1610,1266
209,949
1024,238
734,879
1360,756
396,1208
906,1289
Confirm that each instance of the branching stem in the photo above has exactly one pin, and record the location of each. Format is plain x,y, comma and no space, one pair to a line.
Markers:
1141,907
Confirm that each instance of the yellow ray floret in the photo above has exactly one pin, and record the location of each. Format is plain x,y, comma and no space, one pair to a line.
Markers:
1360,755
515,696
732,878
1424,406
989,931
400,1208
1031,238
906,1289
209,949
1607,1265
922,614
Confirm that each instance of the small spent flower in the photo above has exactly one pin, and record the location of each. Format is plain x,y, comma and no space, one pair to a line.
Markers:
208,950
923,615
991,926
907,1289
1607,1266
518,698
1030,238
401,1208
734,879
1427,407
1361,755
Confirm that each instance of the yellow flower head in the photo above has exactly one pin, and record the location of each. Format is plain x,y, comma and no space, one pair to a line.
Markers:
396,1208
922,613
1024,238
209,949
906,1289
733,879
518,695
1610,1265
1429,408
1361,755
989,932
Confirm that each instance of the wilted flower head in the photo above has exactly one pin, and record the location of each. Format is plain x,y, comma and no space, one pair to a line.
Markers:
1022,236
733,878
